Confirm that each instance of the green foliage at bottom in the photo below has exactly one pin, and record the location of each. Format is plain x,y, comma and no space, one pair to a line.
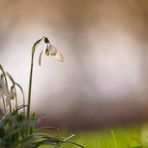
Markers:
129,136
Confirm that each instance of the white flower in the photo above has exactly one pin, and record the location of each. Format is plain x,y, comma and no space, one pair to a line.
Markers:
50,50
3,88
11,95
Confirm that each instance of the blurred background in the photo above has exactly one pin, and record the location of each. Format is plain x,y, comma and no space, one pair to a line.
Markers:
104,78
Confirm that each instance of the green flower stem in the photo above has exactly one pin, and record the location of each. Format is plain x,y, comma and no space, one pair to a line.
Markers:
30,79
4,74
23,97
4,105
16,98
30,87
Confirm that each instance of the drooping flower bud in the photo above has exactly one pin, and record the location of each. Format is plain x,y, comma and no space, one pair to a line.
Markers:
50,50
3,88
11,96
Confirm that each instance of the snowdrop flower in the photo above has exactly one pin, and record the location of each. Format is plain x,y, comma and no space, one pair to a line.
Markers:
50,50
11,96
3,88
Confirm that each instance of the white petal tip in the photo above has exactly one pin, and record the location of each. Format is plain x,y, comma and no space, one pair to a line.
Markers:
59,56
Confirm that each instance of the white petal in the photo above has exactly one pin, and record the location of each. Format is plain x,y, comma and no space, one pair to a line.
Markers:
8,101
10,96
47,45
40,58
52,50
59,56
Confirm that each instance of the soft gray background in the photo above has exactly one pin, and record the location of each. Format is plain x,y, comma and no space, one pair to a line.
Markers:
104,78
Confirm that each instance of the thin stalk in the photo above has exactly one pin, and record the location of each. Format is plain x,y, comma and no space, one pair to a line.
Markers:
23,97
16,99
30,79
30,88
4,105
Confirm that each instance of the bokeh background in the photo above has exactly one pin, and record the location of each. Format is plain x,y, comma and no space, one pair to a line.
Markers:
104,78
